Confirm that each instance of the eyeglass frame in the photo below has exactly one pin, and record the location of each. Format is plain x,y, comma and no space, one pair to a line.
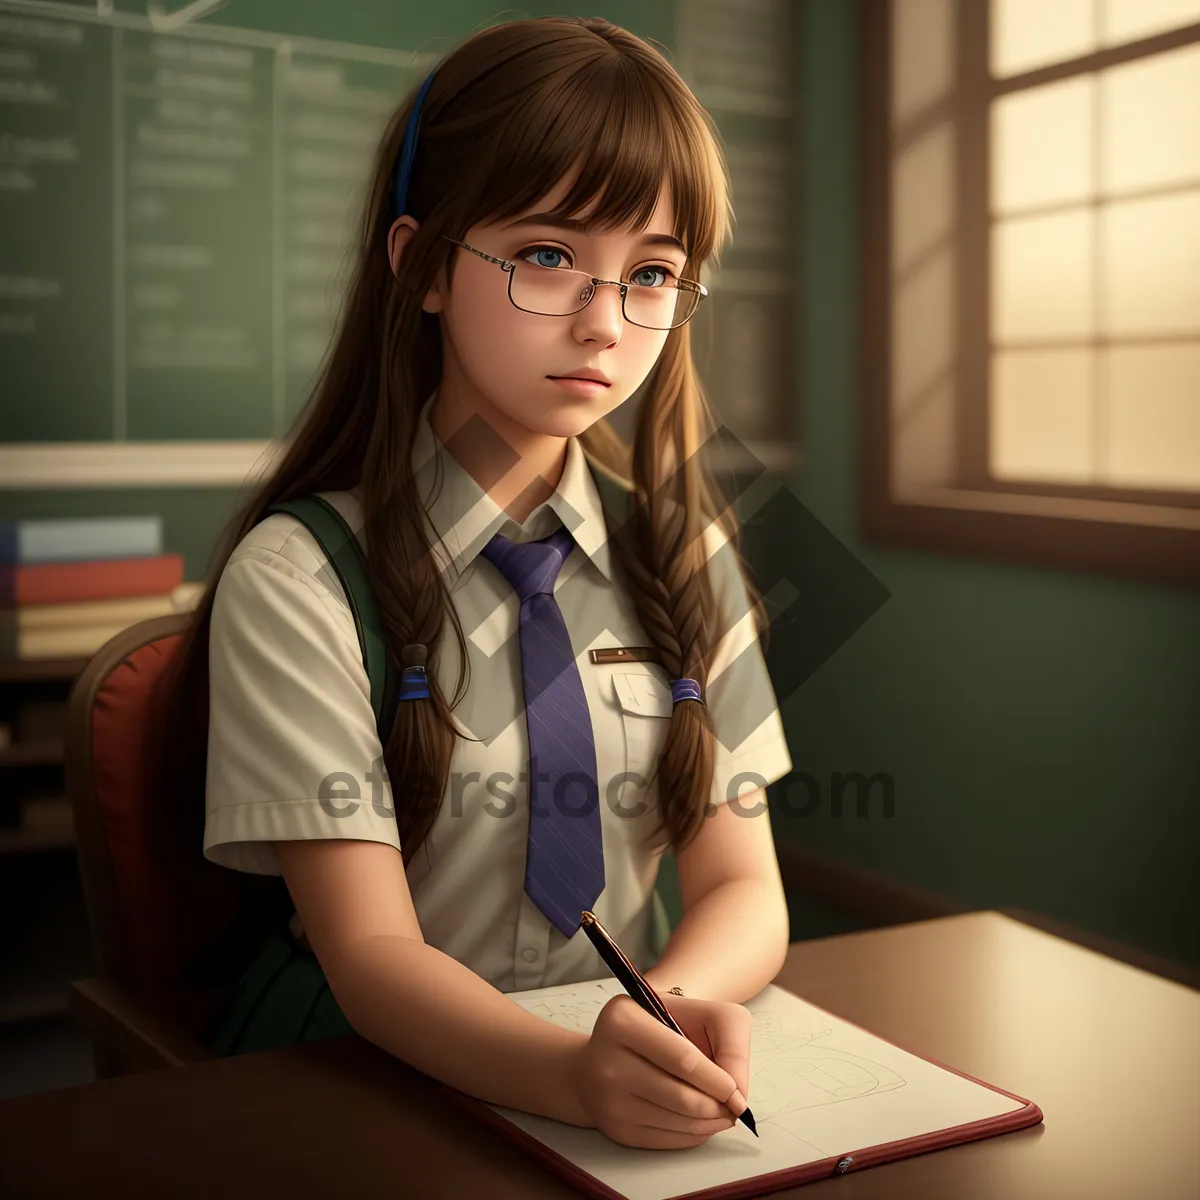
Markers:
509,266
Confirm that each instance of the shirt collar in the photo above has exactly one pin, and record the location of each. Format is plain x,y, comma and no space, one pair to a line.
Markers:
464,518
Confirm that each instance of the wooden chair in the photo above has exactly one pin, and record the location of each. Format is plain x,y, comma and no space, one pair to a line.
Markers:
168,928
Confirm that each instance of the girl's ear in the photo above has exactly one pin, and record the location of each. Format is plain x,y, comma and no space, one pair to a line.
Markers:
400,234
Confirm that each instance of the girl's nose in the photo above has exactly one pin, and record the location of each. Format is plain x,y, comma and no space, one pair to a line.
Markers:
602,319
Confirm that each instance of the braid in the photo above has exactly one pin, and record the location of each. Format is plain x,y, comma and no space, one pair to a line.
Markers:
664,566
412,597
653,602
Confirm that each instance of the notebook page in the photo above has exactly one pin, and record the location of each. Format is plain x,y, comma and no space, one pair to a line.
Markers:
819,1087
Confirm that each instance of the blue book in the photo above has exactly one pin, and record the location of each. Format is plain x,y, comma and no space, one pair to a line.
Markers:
86,539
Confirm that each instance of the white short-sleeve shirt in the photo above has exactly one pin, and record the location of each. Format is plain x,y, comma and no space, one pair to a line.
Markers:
293,750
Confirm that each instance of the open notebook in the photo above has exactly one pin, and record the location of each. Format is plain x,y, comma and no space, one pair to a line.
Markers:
827,1097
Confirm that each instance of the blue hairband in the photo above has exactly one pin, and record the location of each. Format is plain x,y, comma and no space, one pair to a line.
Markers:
409,150
685,689
414,685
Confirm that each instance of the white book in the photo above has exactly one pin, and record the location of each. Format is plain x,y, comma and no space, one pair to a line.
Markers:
70,641
127,609
87,539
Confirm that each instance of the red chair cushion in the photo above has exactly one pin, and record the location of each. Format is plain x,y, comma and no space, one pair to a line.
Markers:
173,905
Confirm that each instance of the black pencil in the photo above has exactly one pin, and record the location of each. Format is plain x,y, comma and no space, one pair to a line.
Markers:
634,982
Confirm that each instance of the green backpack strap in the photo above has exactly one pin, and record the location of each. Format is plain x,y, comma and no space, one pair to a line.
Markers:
345,555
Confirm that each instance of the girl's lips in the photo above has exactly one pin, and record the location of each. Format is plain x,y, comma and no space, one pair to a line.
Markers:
581,387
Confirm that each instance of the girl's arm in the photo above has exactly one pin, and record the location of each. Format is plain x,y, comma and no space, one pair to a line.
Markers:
733,938
410,999
729,945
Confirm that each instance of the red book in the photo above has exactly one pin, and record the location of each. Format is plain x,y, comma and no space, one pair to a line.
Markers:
109,579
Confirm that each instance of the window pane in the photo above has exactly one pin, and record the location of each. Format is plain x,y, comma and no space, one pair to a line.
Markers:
1040,415
1042,146
1032,33
1154,415
1125,20
1151,265
1149,134
1042,277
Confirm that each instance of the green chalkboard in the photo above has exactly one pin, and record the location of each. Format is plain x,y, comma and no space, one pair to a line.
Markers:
177,201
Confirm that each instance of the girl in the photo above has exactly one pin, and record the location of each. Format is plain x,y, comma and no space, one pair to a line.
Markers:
540,211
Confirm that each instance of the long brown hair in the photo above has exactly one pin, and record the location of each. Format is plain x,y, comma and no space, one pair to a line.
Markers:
510,113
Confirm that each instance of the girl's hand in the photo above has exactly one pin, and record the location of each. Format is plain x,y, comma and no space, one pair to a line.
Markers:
643,1085
721,1030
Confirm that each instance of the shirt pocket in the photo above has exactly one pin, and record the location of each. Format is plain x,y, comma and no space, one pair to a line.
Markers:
644,700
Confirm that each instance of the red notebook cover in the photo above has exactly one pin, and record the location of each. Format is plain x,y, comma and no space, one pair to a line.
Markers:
101,579
852,1159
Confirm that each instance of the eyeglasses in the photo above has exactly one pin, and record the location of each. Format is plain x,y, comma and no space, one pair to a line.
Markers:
559,292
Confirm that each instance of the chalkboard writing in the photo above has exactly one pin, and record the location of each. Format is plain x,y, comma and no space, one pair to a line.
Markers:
178,212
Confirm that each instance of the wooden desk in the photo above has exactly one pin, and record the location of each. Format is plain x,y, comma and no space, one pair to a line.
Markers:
1111,1055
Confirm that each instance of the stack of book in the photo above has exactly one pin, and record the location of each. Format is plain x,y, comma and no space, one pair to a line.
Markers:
69,585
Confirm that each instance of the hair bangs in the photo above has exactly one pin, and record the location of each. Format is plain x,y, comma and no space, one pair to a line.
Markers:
620,136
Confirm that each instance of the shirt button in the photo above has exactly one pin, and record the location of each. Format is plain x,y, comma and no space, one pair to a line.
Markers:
529,954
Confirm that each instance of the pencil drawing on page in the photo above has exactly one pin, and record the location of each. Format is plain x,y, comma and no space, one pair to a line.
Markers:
574,1010
791,1068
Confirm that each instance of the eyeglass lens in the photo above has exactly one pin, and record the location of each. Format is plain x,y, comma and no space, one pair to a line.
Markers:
558,293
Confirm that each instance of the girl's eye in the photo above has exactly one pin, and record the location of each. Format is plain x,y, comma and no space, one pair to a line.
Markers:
540,252
637,277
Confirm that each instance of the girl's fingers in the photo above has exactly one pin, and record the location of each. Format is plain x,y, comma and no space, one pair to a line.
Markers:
729,1037
722,1032
647,1138
670,1093
676,1056
641,1111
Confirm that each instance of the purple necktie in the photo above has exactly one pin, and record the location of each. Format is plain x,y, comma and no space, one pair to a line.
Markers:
564,866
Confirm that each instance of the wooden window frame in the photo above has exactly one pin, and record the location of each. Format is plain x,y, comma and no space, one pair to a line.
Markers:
1141,533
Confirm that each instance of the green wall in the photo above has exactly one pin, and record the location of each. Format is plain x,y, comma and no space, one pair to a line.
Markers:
1042,727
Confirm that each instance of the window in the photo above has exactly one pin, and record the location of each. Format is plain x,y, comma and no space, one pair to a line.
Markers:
1030,359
